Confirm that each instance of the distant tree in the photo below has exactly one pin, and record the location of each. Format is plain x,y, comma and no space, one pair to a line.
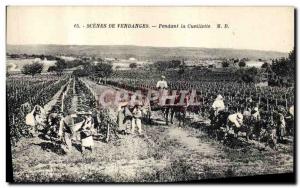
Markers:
60,65
75,63
132,65
118,67
225,64
292,56
86,70
285,66
250,75
174,64
252,71
14,55
25,55
42,57
247,75
52,69
103,70
181,69
265,65
292,61
242,64
81,72
164,65
89,67
32,69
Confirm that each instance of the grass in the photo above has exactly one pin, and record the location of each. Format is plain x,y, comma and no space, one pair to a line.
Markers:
132,159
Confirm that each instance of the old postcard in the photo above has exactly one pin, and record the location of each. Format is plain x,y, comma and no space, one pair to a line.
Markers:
150,94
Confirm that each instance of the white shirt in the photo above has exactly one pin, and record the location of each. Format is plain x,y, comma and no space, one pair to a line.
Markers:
162,84
137,113
281,119
218,105
235,120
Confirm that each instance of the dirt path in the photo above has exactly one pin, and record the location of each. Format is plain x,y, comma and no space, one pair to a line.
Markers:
164,154
190,142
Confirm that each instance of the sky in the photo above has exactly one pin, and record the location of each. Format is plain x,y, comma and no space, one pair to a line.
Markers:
258,28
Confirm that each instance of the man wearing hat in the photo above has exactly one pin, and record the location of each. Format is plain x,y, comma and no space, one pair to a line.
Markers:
218,105
162,84
124,114
65,129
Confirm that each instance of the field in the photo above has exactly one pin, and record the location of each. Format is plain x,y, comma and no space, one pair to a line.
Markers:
165,153
143,52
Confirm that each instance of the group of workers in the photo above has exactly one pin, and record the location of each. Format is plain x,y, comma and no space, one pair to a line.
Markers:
81,126
133,114
70,129
236,120
73,126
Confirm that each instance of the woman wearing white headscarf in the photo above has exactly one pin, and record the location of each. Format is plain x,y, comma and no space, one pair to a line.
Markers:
236,119
35,118
218,105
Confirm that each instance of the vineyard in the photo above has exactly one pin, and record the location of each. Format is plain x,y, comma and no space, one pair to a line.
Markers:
25,92
237,96
164,153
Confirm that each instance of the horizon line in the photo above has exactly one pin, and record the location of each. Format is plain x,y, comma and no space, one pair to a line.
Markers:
149,46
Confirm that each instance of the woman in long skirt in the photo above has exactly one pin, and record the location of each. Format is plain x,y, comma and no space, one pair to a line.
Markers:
87,134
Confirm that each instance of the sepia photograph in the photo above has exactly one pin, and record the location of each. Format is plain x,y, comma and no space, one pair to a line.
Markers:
150,94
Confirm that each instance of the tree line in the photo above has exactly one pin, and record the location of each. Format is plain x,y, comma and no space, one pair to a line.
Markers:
283,67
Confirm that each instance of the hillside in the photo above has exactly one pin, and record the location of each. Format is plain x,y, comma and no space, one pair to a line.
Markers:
143,52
